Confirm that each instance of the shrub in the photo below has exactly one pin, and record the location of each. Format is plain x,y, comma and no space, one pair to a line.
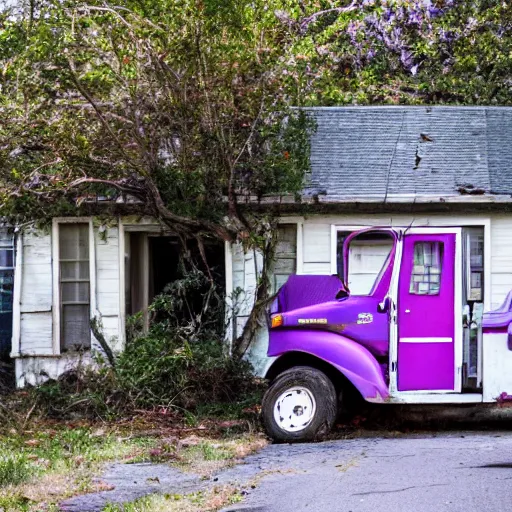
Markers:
179,362
182,360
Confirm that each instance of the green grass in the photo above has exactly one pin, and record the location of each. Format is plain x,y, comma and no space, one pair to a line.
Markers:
14,469
62,449
40,468
48,466
195,502
208,452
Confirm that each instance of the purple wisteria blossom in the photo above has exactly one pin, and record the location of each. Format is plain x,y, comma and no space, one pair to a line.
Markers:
392,28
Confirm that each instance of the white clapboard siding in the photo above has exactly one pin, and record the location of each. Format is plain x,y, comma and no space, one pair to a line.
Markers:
317,268
501,258
36,327
251,271
316,239
36,370
36,333
107,280
238,267
246,280
285,264
36,274
110,325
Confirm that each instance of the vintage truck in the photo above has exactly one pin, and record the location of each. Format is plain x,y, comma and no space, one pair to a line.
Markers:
416,337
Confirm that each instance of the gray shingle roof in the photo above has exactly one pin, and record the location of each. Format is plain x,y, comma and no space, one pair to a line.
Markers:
390,152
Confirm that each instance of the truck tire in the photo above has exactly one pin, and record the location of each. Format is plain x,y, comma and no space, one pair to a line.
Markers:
300,405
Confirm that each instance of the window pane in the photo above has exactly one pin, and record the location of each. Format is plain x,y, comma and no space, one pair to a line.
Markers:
6,258
6,238
75,292
75,327
74,270
75,285
475,289
6,288
426,269
368,258
474,262
74,241
476,248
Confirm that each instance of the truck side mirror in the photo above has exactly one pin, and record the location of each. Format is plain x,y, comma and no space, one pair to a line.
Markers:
384,306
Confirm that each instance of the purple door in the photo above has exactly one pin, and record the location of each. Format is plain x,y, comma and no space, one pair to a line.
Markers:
426,313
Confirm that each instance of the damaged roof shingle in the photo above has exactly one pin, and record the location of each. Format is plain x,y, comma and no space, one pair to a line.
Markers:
385,152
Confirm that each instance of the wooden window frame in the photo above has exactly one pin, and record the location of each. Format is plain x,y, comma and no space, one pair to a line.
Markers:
57,349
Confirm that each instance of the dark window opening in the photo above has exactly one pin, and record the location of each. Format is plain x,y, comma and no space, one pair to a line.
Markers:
152,262
7,263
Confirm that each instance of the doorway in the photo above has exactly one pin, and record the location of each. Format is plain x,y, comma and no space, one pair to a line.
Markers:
152,261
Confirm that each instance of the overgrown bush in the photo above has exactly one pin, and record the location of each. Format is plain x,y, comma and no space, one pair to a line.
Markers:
182,359
180,362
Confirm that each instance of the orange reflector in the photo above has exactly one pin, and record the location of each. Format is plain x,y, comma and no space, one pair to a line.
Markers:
277,321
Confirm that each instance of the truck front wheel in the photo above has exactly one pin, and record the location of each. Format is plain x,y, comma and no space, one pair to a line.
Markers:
300,405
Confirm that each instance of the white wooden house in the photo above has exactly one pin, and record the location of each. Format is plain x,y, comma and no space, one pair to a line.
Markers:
371,166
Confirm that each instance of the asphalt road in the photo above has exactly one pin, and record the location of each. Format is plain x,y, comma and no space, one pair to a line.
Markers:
466,472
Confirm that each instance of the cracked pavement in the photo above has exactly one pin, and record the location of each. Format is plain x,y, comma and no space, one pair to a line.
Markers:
464,472
453,472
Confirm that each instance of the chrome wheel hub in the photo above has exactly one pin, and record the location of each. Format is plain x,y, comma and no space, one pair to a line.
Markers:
294,409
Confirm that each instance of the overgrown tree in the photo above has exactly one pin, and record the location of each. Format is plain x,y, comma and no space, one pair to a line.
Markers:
176,108
182,109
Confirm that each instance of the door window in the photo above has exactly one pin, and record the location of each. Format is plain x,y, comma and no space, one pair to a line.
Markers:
426,268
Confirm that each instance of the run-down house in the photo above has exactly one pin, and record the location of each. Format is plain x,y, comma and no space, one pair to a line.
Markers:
370,166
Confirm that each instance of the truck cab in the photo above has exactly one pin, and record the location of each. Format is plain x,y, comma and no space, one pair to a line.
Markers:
417,335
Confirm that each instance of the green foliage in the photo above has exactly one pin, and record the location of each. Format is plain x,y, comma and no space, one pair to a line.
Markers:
34,463
184,104
406,51
14,469
179,104
62,449
180,363
208,452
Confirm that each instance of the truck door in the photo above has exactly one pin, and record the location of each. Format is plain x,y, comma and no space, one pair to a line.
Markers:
428,328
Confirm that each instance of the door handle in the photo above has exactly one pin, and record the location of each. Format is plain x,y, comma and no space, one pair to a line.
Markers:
407,310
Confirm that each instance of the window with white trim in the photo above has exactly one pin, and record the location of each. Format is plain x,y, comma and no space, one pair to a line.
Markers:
75,286
427,268
7,261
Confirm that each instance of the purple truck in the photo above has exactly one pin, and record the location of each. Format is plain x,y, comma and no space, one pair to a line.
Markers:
403,342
